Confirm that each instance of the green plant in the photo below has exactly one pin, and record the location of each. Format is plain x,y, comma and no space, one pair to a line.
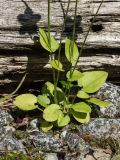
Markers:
55,102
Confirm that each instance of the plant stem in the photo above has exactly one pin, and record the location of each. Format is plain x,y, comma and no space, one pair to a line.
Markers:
49,22
59,52
39,109
84,42
51,55
73,34
63,27
72,42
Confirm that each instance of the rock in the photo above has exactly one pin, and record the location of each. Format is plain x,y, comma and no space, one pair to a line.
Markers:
110,93
8,142
33,125
5,117
75,142
98,154
76,145
45,141
99,128
51,156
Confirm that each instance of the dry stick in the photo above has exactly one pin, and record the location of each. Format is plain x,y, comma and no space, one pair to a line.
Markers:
11,94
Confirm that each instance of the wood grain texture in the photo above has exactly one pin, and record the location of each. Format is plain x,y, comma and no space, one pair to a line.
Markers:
20,20
13,67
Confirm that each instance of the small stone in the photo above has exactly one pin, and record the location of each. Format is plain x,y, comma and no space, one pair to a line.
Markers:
8,142
33,125
45,141
5,117
98,154
75,142
99,128
110,93
51,156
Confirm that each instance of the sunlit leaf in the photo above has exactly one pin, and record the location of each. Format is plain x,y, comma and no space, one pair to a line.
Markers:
71,51
43,100
98,102
26,101
51,112
74,76
82,94
92,81
81,117
46,126
57,65
50,45
63,120
81,107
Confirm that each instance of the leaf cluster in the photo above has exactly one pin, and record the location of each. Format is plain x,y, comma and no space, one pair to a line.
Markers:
59,112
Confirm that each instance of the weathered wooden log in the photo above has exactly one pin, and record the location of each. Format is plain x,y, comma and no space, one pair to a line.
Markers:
13,67
20,19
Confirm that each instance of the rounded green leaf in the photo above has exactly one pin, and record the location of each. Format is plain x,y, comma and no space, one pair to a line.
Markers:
82,94
26,101
51,112
43,100
63,120
50,45
98,102
76,75
81,117
92,81
71,51
81,107
57,65
46,126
